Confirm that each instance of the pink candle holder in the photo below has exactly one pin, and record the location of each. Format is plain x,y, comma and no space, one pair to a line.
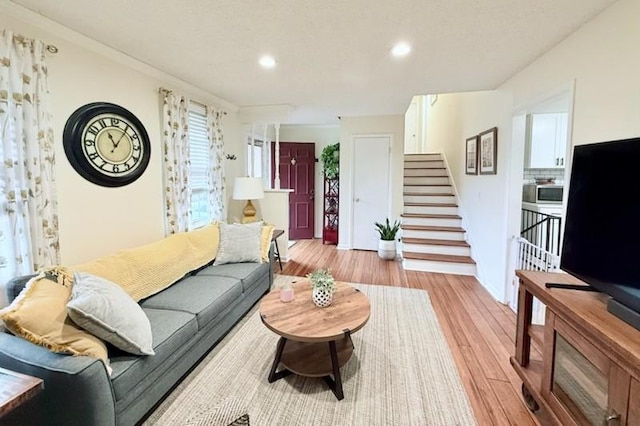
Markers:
286,294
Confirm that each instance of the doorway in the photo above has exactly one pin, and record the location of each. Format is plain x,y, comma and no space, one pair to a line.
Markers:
371,188
541,156
297,172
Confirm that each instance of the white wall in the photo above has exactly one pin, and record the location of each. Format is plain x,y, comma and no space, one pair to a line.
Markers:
482,198
322,136
350,126
601,58
95,220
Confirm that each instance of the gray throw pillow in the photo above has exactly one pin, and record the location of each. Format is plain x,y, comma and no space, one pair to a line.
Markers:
105,310
239,243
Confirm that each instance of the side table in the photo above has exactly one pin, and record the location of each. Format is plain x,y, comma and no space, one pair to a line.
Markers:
274,239
16,389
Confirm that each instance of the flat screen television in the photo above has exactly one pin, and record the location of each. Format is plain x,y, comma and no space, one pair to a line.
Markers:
601,243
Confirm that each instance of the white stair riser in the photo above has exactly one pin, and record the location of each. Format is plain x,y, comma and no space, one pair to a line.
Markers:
423,164
436,249
441,189
431,221
431,210
422,157
438,199
434,180
421,209
425,172
439,267
433,235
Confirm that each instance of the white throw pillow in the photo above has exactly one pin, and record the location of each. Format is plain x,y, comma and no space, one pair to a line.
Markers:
105,310
239,243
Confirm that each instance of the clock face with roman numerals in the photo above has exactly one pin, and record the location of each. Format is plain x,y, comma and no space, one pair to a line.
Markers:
106,144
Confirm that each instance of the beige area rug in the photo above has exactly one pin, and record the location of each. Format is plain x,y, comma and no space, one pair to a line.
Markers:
401,373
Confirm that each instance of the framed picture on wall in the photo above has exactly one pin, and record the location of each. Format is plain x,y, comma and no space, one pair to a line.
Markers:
488,149
471,163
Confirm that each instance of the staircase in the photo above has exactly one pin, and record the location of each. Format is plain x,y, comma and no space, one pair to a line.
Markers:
432,237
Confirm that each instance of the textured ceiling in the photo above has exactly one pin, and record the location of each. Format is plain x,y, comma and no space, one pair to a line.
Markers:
333,55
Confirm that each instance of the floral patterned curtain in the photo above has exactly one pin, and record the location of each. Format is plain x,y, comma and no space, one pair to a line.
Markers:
175,141
216,177
28,204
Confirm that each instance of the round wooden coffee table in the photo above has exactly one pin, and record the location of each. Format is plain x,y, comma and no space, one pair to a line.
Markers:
314,342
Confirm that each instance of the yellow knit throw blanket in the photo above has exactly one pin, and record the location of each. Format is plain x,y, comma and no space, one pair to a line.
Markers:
147,270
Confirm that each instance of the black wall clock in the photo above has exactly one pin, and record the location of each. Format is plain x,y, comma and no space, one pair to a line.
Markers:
106,144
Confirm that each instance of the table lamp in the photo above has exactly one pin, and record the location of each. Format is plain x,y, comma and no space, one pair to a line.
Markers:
248,188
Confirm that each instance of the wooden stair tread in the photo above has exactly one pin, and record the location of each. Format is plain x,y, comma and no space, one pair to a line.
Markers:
431,216
431,204
431,194
439,257
419,160
428,168
433,228
433,242
424,184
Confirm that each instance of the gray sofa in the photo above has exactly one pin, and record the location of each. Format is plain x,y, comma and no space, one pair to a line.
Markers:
187,320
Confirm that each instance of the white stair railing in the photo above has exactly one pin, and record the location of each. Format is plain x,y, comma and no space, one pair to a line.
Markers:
533,258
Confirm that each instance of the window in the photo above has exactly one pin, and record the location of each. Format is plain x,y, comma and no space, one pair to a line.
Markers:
12,245
200,158
257,150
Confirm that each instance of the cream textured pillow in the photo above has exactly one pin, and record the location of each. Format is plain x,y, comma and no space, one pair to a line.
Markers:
39,314
239,243
105,310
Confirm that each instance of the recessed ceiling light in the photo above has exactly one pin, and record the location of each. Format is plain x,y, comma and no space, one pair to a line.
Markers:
267,61
401,49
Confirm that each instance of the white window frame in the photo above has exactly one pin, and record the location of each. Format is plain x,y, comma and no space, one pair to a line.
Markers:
200,161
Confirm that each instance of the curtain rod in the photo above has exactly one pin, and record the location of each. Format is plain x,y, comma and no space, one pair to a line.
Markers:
51,48
167,91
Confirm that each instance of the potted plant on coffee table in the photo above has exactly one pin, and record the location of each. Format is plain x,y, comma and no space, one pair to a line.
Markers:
323,285
387,243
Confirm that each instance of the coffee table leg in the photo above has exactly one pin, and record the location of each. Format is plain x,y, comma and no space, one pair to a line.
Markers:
273,375
335,384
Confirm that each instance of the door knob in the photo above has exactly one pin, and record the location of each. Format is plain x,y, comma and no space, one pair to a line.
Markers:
612,419
357,200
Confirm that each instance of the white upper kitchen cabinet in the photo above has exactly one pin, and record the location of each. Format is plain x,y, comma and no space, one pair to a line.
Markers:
546,141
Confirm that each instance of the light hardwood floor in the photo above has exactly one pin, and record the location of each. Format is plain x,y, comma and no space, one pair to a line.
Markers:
479,330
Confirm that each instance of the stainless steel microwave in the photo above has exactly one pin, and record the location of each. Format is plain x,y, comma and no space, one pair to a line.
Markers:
551,194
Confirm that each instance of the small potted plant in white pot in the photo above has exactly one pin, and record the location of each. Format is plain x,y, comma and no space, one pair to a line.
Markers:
323,287
387,243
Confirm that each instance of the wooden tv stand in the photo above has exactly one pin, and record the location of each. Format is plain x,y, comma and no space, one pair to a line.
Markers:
587,368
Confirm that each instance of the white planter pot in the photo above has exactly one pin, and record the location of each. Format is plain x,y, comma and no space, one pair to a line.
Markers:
387,249
321,297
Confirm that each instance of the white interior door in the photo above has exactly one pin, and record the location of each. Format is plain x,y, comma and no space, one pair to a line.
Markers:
371,183
411,129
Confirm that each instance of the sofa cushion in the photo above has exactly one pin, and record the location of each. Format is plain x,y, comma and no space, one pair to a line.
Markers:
203,296
171,330
105,310
39,314
250,274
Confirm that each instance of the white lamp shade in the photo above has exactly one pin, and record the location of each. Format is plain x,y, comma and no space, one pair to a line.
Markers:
247,188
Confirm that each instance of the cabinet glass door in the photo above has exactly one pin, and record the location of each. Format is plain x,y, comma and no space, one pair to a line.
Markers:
578,384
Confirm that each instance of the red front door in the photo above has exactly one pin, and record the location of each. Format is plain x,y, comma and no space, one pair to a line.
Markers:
297,171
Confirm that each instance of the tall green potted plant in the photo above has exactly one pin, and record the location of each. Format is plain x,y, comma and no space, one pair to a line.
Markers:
330,158
387,243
